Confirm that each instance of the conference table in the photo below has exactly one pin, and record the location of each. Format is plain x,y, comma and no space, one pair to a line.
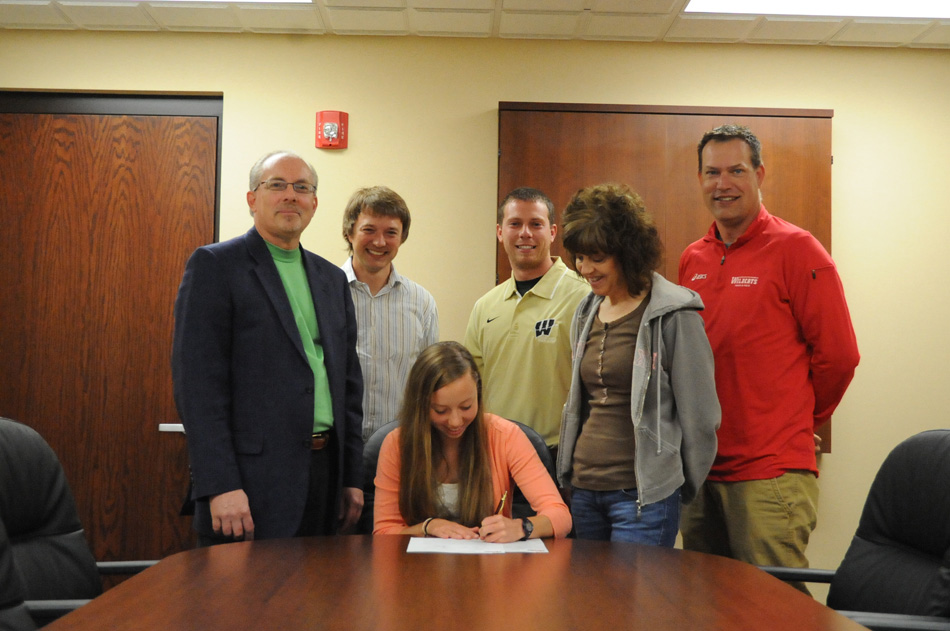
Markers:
366,582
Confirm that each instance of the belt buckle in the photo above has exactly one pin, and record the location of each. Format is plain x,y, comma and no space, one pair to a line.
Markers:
319,441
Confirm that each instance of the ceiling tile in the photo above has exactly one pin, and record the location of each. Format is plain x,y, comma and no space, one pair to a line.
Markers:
41,15
195,17
369,21
937,37
640,28
286,19
455,5
102,16
469,23
623,20
784,30
710,28
539,25
878,33
363,4
543,5
635,6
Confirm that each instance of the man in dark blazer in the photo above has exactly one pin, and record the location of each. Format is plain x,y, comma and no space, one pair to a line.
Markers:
266,375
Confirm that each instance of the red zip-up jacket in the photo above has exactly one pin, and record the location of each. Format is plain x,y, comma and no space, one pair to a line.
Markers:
782,340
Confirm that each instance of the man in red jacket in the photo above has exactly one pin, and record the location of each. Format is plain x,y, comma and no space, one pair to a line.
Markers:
785,352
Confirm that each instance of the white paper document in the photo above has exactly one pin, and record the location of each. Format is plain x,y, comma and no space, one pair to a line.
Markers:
473,546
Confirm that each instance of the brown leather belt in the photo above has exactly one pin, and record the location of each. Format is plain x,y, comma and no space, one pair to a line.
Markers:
319,441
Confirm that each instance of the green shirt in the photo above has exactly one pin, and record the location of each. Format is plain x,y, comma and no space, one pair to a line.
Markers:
294,278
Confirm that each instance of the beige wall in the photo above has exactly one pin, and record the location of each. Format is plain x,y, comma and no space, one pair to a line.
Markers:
423,115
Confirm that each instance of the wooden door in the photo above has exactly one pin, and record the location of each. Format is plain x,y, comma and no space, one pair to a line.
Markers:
560,148
100,212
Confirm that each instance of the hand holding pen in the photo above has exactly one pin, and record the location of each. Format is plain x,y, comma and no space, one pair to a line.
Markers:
497,528
501,503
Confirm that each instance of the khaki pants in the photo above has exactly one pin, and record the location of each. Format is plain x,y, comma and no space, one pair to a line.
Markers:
762,522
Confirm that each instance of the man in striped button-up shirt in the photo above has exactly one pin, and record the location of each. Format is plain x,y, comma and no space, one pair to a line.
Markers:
396,318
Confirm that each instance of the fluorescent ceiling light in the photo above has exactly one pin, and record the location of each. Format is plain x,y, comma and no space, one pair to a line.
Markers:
929,9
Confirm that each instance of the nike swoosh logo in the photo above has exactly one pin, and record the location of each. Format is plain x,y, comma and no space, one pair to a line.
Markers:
490,319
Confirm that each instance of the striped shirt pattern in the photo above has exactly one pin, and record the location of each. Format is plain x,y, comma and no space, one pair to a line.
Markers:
392,329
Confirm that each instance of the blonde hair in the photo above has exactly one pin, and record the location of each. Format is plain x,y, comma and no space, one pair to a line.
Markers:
420,443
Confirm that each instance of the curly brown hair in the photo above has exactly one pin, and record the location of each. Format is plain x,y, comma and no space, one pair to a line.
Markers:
611,219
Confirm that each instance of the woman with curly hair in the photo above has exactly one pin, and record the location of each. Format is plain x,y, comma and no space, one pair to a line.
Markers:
638,434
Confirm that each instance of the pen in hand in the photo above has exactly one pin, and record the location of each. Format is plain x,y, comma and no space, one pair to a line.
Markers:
501,504
493,523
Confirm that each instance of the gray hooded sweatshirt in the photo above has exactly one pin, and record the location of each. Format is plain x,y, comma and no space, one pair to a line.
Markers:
673,404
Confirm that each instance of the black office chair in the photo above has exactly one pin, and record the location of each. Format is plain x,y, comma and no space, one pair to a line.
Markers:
46,566
14,616
370,457
896,573
519,507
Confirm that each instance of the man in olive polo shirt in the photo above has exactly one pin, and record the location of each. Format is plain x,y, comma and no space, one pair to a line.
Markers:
519,332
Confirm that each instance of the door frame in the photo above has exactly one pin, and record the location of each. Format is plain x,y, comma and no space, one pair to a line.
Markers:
209,108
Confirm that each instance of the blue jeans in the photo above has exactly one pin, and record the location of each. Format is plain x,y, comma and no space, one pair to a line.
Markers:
612,516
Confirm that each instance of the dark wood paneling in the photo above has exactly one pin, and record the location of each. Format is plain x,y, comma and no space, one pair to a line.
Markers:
100,214
562,147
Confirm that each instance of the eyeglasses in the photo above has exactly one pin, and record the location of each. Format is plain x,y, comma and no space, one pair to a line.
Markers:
279,185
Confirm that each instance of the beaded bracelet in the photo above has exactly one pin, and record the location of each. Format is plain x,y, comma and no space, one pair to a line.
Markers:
425,527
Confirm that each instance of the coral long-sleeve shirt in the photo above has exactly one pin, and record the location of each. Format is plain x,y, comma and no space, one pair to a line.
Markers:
512,457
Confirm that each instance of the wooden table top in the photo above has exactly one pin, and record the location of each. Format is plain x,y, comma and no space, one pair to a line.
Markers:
365,582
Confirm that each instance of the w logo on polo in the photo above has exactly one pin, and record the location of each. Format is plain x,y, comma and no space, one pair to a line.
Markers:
542,328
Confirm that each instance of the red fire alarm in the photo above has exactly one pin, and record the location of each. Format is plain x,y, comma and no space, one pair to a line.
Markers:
332,129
